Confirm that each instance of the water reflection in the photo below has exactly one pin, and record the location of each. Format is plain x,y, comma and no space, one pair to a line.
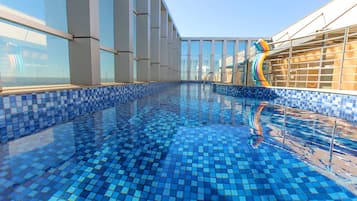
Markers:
256,130
328,144
27,159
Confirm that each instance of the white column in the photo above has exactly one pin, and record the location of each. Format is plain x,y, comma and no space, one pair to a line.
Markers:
155,20
164,45
200,60
143,30
246,56
123,40
212,56
235,61
170,49
188,59
224,56
179,57
174,53
83,23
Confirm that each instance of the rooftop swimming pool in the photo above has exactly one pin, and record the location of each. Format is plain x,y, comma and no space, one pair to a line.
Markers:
185,143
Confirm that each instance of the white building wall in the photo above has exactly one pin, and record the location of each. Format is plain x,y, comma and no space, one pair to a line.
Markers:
335,14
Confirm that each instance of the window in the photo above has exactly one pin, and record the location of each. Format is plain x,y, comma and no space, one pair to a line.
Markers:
30,57
194,67
184,67
230,60
106,66
106,32
51,13
218,58
206,58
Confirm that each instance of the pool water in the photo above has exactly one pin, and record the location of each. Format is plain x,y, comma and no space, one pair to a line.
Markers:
185,143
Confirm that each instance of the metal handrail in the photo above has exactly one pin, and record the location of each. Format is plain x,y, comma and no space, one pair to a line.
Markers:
205,80
9,15
108,49
312,34
306,25
342,14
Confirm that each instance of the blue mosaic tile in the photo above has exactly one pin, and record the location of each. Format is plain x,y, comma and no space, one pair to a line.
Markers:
21,115
331,104
184,143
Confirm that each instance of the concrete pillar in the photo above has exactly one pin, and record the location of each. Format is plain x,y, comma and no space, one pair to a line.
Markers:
83,23
123,40
200,58
143,30
235,62
188,59
177,57
178,41
170,49
246,56
224,56
155,20
164,45
173,53
212,57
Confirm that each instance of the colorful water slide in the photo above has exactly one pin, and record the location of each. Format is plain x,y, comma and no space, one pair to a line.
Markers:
257,66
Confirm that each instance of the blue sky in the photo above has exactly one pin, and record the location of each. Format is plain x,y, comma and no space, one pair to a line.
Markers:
238,18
